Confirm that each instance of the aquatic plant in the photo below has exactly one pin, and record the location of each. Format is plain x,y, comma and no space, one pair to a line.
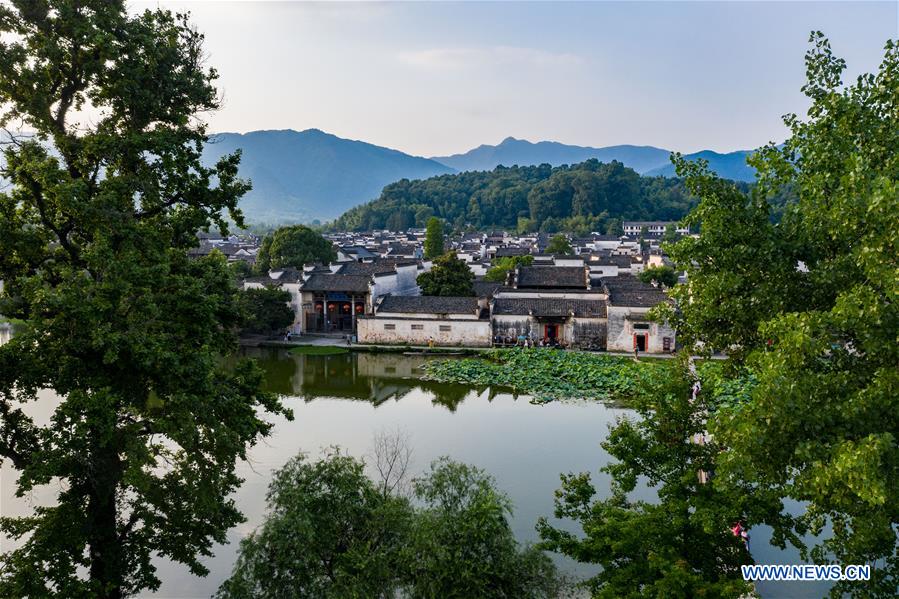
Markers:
547,374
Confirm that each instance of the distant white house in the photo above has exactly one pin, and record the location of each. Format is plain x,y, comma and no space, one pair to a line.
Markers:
653,227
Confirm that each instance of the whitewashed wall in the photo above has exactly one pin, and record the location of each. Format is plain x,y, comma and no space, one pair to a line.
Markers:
471,333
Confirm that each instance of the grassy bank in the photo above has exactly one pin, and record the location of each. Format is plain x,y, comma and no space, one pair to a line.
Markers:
318,350
548,374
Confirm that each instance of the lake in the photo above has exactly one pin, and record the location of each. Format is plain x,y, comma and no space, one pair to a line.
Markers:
346,399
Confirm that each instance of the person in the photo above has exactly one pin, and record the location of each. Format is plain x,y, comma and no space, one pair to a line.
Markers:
636,353
744,534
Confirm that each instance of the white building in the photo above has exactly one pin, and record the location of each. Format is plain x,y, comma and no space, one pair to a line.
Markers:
653,227
425,320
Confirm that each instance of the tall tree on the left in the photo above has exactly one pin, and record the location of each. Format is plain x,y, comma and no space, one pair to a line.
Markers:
103,203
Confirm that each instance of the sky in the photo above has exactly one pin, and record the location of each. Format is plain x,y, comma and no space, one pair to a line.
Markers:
437,78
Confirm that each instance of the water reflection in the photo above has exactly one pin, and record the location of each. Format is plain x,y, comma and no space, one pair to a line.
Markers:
374,378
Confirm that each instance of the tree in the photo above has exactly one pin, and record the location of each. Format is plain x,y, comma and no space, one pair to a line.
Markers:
614,227
434,238
266,310
679,546
449,276
329,532
240,269
501,268
462,544
294,247
664,275
670,234
559,245
95,225
810,303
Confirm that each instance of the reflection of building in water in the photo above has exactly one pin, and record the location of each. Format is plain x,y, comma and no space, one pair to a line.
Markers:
375,378
5,332
364,377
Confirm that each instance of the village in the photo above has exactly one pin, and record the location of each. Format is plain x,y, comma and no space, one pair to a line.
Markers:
589,298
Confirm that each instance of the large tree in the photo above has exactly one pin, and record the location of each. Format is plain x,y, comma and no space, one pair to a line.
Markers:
103,203
329,532
462,545
333,532
810,307
294,246
679,545
448,276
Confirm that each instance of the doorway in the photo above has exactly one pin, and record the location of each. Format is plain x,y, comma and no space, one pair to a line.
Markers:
551,332
640,342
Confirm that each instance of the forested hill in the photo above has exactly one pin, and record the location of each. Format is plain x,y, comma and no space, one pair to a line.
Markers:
590,196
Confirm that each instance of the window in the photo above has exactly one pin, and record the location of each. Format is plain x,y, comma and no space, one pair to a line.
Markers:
418,327
445,327
389,327
641,326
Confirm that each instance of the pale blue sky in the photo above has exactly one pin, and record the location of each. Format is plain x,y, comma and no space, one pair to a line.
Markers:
440,78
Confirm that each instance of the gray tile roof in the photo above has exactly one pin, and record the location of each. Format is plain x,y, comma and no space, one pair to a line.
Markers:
428,304
572,277
549,307
506,252
369,268
631,292
337,282
486,288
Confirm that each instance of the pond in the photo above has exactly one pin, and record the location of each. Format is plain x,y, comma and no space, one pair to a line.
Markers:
346,399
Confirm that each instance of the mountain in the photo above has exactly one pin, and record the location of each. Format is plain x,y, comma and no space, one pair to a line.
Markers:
729,166
521,152
306,175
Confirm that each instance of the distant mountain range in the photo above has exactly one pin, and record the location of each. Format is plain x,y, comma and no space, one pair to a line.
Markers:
646,160
307,175
520,152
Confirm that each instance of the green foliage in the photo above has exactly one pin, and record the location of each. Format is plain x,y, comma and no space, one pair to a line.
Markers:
678,546
665,275
95,225
333,532
579,199
670,234
266,310
559,245
240,269
547,374
329,532
293,246
499,272
462,545
433,238
449,276
819,339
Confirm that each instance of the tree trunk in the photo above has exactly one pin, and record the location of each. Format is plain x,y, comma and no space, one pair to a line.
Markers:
106,569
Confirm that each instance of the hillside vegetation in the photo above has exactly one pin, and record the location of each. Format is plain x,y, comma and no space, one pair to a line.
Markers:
590,196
